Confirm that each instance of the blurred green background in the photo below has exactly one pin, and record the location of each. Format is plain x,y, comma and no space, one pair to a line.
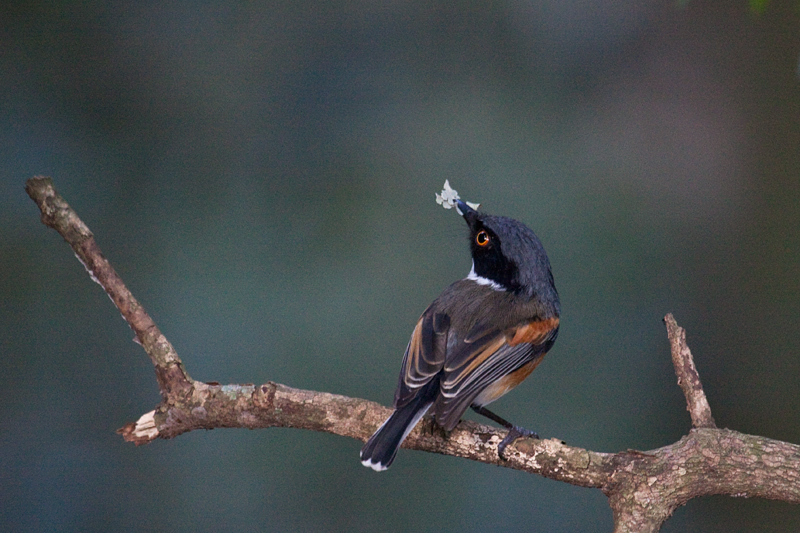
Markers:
262,176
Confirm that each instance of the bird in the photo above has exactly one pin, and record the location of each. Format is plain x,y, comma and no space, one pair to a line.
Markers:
480,338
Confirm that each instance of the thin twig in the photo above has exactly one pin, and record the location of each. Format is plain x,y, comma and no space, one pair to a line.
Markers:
688,378
57,214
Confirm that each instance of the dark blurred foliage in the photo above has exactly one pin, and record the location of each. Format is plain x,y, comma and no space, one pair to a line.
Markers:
262,176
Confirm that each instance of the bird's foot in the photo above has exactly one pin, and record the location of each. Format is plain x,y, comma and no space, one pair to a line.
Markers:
514,433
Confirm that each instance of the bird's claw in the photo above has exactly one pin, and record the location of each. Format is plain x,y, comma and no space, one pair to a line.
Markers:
514,433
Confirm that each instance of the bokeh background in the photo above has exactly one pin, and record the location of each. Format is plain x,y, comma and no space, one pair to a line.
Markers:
262,175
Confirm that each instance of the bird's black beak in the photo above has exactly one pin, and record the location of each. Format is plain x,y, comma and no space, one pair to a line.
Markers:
469,214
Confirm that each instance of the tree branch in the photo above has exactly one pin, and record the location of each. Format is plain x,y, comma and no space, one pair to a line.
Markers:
57,214
688,378
643,488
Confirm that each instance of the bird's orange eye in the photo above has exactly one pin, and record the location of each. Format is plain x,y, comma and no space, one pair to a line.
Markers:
482,238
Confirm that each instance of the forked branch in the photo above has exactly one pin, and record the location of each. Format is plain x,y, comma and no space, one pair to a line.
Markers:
643,488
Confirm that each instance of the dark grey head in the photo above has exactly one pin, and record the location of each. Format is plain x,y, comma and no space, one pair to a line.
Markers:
507,253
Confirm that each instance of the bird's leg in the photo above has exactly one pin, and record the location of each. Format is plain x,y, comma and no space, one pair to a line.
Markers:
514,432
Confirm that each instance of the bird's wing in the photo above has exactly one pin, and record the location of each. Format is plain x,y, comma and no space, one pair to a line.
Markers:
488,357
424,357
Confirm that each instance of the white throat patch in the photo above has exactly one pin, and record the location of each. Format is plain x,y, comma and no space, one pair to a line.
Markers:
480,280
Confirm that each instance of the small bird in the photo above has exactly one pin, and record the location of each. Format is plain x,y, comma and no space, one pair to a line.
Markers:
478,340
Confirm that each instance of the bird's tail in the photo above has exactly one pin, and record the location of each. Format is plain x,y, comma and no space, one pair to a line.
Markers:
379,451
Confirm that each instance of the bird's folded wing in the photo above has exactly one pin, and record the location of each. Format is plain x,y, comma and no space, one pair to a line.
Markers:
474,366
424,357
